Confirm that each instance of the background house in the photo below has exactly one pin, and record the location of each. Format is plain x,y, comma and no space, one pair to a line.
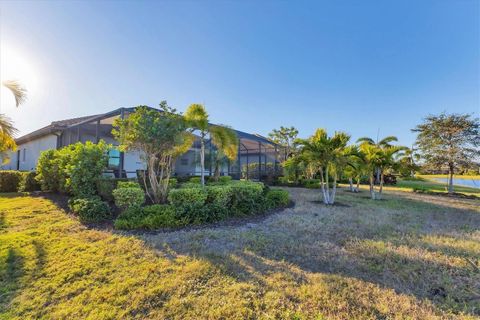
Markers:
253,149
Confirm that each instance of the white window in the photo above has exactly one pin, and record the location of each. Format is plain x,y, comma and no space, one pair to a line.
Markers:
24,155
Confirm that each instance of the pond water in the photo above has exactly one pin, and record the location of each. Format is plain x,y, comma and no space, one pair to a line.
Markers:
461,182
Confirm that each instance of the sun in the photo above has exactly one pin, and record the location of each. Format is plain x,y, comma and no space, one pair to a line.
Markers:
16,64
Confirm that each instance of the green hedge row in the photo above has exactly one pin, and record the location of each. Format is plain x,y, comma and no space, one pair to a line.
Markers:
195,205
18,181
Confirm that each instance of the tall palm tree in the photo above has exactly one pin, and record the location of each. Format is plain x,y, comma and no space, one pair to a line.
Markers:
223,138
328,155
226,143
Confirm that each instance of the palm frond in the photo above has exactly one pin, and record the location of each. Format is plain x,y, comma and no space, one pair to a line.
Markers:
18,91
6,126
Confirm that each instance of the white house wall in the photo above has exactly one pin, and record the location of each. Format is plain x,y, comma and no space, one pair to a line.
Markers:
32,150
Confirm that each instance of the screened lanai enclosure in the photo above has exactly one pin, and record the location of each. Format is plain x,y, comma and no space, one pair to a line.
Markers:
258,158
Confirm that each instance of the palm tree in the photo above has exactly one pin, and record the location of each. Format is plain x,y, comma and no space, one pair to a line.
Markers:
328,155
384,143
7,129
226,143
223,138
378,159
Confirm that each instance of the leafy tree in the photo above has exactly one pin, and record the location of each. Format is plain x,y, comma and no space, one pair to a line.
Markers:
285,137
224,139
160,137
407,162
226,143
329,156
449,140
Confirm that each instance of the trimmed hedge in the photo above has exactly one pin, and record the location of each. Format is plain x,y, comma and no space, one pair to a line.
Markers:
276,198
149,217
18,181
247,197
105,187
128,184
196,205
90,209
10,180
128,197
29,182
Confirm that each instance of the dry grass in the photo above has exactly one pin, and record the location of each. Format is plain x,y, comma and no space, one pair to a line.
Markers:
402,257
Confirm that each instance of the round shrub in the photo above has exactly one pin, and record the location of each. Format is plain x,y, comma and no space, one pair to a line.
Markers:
247,197
187,197
28,182
128,184
10,180
276,198
128,197
219,195
196,179
90,209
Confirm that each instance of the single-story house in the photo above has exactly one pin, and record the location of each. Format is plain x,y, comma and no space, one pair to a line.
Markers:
257,155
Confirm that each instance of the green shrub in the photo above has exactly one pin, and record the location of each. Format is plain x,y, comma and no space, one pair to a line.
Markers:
219,195
128,197
195,179
311,183
105,187
73,169
28,182
49,172
189,185
90,209
128,184
276,198
187,197
10,180
149,217
172,183
247,197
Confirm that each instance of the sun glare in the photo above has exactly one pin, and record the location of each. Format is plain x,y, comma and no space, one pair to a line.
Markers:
16,65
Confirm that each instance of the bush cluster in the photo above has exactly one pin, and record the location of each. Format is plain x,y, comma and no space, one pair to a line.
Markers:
192,204
18,181
73,169
10,180
105,187
149,217
90,209
128,194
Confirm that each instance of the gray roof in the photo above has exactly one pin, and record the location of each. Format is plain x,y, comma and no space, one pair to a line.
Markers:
53,127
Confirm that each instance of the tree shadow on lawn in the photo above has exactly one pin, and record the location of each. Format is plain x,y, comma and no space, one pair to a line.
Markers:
385,243
11,270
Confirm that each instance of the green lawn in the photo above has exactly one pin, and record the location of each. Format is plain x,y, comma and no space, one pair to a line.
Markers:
434,186
408,256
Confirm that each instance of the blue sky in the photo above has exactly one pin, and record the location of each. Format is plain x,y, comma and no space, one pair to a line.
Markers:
355,66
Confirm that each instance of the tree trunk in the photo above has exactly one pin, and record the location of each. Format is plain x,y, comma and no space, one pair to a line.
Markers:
327,185
450,178
322,186
357,189
216,174
350,181
381,185
202,159
372,186
334,189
